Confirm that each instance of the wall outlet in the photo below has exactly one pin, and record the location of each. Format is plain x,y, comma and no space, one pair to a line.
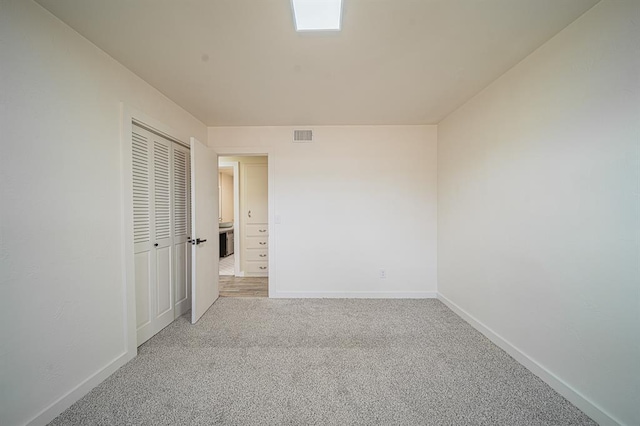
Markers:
383,274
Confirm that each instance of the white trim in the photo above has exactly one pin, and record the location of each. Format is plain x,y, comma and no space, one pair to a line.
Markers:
355,295
158,132
587,406
128,256
129,116
236,213
65,401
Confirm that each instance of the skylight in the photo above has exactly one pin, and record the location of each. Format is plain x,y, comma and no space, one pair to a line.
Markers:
317,15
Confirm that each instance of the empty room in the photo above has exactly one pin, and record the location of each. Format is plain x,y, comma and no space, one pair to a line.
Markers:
328,212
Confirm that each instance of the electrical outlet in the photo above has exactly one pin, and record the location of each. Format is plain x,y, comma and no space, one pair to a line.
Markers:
383,274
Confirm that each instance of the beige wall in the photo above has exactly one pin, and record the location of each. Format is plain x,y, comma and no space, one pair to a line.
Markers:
61,254
356,200
226,197
539,212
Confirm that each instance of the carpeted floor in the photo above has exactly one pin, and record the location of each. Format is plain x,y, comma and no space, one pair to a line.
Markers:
322,362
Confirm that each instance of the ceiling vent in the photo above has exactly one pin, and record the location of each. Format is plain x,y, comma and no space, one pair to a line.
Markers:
303,135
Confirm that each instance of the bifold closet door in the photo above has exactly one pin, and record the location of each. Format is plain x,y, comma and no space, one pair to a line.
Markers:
157,186
143,232
163,313
182,226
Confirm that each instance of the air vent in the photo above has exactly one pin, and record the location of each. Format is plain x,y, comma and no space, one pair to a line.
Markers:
303,135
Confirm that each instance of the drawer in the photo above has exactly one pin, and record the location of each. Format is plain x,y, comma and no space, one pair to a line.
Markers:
257,230
258,267
256,242
257,254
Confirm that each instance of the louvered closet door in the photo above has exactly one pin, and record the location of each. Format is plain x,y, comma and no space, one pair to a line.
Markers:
182,225
143,232
162,192
161,189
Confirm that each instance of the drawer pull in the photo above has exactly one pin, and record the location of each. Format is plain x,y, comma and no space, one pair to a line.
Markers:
262,230
262,243
263,255
263,267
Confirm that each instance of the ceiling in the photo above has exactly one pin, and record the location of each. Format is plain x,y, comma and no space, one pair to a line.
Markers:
240,62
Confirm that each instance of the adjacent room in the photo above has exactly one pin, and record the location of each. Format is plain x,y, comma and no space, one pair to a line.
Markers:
320,212
244,223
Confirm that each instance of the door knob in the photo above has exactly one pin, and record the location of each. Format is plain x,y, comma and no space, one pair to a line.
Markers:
155,245
198,241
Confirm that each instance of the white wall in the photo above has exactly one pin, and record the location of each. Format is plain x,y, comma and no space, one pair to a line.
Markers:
62,308
356,200
539,212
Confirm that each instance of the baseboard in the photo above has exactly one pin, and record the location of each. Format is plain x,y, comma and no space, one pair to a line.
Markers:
64,402
355,295
181,308
576,398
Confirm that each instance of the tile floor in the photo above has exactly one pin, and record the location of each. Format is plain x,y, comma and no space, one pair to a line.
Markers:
226,265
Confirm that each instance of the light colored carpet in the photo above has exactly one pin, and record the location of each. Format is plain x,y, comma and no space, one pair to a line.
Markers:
322,362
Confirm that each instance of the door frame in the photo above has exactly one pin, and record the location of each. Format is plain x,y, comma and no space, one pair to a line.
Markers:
248,151
236,212
130,116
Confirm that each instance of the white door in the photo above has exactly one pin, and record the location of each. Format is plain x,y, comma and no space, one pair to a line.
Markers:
181,229
145,270
153,232
204,235
162,178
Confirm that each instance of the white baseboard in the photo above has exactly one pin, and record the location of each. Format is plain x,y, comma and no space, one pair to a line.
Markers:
576,398
355,295
64,402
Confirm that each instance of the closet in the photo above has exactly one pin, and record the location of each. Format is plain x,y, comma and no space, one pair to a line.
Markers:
161,221
256,213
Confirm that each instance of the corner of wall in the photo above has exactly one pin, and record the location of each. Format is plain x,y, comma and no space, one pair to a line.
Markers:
589,407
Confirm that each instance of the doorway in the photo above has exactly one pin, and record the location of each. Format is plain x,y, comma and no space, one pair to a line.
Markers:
243,226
